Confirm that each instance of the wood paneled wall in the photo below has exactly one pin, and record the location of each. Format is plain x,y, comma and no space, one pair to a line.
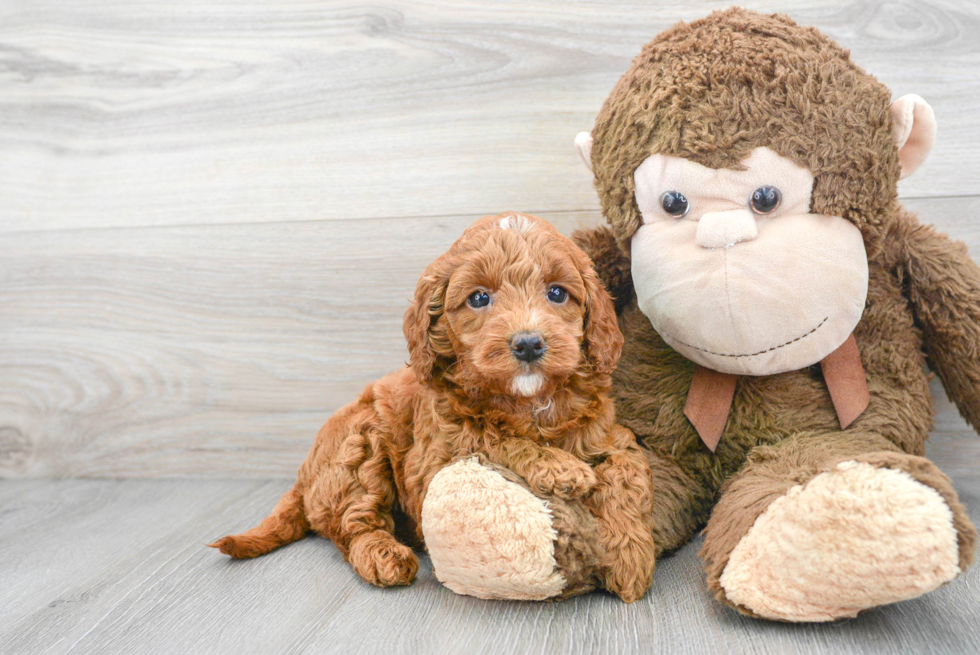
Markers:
212,214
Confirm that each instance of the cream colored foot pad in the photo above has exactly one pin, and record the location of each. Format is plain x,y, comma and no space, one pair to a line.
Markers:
488,537
850,539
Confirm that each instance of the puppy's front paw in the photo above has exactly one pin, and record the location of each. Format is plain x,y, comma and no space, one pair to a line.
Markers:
631,572
567,480
381,560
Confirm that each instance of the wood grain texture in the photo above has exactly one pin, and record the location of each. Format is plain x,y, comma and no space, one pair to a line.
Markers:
207,351
218,351
101,566
188,112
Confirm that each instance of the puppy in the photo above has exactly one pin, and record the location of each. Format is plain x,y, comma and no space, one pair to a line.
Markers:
511,341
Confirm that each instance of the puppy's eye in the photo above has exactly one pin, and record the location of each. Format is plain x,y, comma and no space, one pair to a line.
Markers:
557,295
674,204
478,299
765,200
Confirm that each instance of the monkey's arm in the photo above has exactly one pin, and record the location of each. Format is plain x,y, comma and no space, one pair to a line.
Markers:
944,288
612,265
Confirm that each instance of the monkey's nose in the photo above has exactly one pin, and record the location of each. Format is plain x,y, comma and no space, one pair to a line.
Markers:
527,346
725,229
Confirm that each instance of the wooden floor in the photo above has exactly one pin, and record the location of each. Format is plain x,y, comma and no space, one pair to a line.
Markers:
119,566
212,215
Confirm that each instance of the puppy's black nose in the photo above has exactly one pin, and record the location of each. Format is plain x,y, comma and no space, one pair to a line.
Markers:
527,346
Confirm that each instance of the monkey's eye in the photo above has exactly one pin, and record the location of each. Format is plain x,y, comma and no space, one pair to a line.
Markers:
557,295
478,299
674,204
765,200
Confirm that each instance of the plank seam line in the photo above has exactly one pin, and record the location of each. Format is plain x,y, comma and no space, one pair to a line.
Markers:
314,221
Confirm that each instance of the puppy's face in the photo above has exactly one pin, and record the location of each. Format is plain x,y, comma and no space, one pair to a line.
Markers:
514,308
515,311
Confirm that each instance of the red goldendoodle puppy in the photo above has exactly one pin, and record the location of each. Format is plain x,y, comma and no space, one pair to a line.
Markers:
512,340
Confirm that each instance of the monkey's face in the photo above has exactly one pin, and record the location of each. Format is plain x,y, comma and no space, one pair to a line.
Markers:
705,156
733,270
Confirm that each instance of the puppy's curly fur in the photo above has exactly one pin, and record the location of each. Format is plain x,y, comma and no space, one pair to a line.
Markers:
467,391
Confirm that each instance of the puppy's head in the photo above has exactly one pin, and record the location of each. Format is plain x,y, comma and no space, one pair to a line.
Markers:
512,308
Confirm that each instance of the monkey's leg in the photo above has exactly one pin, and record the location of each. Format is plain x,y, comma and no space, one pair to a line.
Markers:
490,535
823,526
351,496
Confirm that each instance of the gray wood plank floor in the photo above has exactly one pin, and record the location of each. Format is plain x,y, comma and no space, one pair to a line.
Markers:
113,566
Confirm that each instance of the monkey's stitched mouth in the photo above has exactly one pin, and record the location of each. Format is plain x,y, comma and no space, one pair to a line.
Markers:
761,352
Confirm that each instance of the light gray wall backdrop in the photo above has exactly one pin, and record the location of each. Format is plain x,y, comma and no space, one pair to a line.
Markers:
212,214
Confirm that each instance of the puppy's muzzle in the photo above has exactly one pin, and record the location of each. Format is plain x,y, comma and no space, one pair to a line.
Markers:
528,346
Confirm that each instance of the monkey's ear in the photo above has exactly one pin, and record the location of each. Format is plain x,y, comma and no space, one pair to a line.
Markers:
583,144
914,131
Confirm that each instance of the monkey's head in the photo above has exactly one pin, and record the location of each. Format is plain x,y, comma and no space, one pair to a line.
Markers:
748,166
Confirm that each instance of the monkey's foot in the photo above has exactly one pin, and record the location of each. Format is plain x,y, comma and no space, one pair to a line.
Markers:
852,538
489,536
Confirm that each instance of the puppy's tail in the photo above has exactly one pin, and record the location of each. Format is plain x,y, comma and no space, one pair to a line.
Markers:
286,524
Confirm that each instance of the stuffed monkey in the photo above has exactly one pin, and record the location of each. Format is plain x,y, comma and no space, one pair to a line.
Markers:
779,308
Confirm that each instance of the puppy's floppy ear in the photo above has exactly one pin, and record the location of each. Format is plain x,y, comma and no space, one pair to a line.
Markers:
603,340
427,308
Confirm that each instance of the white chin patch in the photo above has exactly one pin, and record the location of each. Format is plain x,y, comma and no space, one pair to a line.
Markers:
526,384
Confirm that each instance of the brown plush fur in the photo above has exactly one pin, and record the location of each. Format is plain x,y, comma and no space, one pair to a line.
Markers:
711,91
772,470
457,398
